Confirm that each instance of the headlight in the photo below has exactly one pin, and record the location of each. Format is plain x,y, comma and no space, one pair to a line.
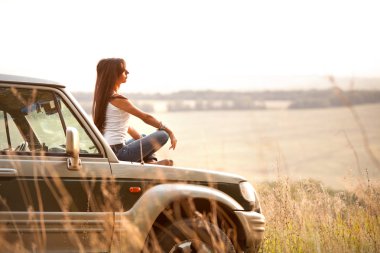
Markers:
247,191
249,194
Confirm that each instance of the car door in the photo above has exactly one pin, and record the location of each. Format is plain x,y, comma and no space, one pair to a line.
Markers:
43,204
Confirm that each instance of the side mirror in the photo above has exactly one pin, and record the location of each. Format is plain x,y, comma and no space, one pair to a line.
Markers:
72,149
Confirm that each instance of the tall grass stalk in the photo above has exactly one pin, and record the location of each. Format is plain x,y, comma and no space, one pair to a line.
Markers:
308,217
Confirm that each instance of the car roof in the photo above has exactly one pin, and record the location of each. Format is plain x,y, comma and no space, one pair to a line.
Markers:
28,81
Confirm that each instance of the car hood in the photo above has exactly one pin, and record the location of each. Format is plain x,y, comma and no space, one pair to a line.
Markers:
169,173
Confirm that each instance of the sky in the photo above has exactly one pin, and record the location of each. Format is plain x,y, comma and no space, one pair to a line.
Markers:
172,45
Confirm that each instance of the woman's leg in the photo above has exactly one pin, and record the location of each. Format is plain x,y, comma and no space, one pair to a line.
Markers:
149,145
148,159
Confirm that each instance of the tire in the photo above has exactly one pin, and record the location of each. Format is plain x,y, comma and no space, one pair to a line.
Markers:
191,235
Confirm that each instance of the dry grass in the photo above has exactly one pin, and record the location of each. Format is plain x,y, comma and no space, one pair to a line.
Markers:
303,216
308,217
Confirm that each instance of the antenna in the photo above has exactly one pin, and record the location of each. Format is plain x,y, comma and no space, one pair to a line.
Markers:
141,153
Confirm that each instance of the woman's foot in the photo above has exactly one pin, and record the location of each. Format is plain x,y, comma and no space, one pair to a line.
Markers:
166,162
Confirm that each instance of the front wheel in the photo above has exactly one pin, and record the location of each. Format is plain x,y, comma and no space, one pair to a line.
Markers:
191,235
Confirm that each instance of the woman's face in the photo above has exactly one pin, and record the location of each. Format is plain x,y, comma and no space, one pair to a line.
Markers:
123,77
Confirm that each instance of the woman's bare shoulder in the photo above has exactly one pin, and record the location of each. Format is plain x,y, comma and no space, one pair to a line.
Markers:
120,101
118,96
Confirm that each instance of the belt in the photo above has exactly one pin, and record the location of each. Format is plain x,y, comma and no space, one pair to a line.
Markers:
115,148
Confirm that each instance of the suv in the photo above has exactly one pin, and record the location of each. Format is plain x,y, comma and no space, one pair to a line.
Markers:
63,189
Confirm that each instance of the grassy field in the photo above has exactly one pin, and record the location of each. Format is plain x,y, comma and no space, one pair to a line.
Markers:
316,171
327,145
308,217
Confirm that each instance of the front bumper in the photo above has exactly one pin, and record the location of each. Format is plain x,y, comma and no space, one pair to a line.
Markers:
254,227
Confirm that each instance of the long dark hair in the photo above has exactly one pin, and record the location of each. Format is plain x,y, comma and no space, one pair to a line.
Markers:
108,71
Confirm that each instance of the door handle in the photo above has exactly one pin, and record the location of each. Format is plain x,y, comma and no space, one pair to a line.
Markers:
5,172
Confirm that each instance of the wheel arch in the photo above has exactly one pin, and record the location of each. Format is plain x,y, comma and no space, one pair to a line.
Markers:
213,210
150,209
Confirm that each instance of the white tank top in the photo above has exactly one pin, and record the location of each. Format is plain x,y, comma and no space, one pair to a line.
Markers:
116,125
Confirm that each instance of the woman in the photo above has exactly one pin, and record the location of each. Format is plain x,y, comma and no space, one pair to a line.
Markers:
111,112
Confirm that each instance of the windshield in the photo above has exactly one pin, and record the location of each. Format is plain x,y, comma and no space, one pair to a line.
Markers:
36,120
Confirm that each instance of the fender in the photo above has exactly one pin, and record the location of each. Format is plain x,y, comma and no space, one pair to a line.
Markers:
132,227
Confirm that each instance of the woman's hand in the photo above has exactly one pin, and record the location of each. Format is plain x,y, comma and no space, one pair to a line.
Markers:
173,141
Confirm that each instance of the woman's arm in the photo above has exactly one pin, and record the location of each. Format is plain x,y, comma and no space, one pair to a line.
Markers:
126,105
132,132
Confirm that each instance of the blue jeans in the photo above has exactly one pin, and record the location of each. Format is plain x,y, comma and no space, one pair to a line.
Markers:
131,150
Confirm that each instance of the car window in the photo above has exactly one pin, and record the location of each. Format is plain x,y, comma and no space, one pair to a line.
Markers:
86,143
8,132
36,120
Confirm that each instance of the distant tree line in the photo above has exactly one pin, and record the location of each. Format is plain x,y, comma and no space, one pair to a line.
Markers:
334,97
251,100
207,105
